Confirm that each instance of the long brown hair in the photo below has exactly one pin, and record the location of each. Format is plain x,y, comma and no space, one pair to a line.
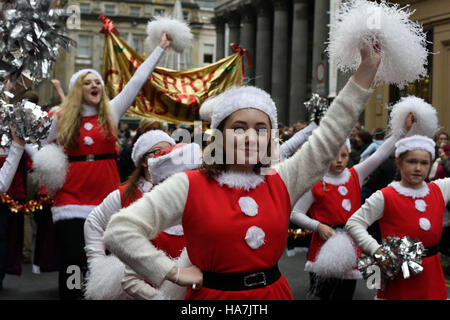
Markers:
132,182
69,121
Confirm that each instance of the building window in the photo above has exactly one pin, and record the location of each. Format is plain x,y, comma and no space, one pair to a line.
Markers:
159,12
85,7
185,15
208,53
137,44
110,10
84,46
135,11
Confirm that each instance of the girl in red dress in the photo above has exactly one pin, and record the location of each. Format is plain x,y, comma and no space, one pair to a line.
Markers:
408,207
235,210
153,155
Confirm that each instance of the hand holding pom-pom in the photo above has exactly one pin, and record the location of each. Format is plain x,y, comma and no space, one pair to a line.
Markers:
165,41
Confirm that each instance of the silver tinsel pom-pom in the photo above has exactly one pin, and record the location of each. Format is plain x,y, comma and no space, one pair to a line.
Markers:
30,122
317,106
31,35
404,254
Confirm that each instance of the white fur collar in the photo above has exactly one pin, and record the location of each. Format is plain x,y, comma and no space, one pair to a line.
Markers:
175,230
422,192
88,111
240,180
144,185
337,179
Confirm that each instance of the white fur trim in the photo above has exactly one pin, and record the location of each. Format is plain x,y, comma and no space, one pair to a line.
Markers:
422,192
342,190
248,206
240,180
146,141
347,205
425,116
179,31
175,230
88,126
337,256
402,41
88,141
420,205
50,166
77,74
338,179
255,237
104,279
415,142
208,106
350,275
188,157
71,211
424,224
244,97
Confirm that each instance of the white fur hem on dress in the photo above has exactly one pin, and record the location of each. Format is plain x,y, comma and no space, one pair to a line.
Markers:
351,275
71,211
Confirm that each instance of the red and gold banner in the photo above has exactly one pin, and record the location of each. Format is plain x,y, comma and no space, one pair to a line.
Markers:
168,95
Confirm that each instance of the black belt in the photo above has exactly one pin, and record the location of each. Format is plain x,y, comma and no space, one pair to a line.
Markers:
431,251
240,281
339,226
92,157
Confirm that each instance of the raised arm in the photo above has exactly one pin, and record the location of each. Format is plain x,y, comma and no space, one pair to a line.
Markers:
289,147
96,223
356,226
128,232
121,103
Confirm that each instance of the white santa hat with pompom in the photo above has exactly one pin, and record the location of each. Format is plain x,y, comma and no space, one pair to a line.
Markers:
146,141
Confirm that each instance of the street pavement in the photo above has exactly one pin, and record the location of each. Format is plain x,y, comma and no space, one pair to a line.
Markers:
44,286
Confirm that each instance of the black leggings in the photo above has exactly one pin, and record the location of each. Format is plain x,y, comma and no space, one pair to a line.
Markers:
330,288
70,242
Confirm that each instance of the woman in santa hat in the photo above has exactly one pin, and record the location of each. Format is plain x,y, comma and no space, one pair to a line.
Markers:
330,202
85,128
153,155
408,207
235,213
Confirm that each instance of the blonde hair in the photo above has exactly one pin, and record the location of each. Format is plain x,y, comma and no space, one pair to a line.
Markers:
69,121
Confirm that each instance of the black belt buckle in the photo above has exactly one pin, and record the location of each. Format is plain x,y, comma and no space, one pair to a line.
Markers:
90,157
249,283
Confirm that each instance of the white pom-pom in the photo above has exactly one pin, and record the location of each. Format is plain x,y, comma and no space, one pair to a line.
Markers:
424,114
255,237
179,32
420,205
50,165
207,107
336,258
104,280
424,224
171,290
402,41
248,206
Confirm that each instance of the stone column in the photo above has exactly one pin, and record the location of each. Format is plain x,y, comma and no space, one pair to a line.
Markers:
299,62
263,57
280,46
234,23
220,37
247,38
319,83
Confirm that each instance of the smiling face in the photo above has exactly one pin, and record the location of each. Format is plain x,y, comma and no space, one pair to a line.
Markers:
414,167
246,135
339,164
92,90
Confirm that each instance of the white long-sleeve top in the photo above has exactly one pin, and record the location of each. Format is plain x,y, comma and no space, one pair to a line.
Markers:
364,169
289,147
372,210
98,219
10,165
129,230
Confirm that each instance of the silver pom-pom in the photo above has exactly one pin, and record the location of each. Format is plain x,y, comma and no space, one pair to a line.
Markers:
30,122
317,106
31,35
404,255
